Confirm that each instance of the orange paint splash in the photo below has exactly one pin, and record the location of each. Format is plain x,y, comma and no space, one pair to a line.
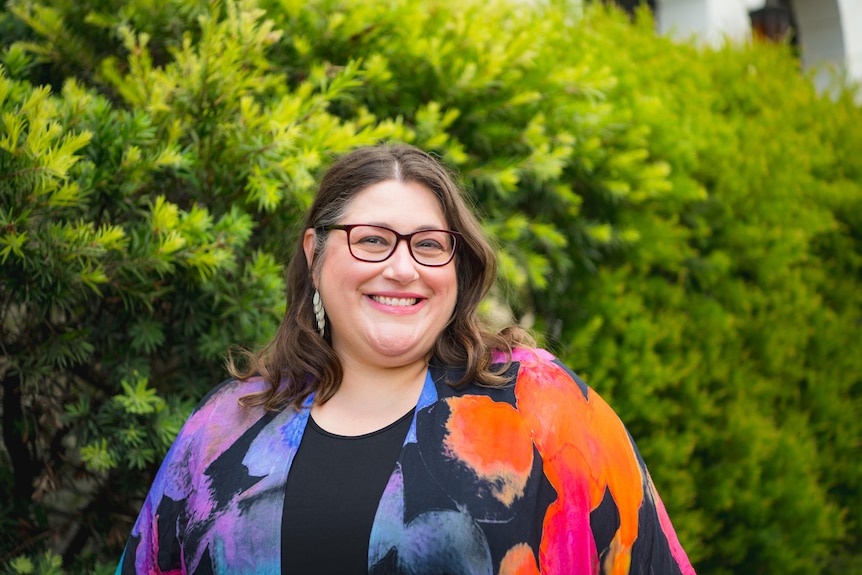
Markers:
519,560
492,439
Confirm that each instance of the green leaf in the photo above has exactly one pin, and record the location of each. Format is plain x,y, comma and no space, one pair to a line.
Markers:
139,398
97,457
12,243
147,335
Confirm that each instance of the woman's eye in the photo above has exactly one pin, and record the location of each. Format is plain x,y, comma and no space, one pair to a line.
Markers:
372,241
429,245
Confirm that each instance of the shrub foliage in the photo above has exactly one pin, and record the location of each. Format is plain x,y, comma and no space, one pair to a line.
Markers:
682,225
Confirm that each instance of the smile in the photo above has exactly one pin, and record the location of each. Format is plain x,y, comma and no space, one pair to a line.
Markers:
395,301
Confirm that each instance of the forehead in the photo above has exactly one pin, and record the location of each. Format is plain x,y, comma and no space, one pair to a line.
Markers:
403,206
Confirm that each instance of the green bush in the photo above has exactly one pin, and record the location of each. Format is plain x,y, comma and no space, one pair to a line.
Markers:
682,225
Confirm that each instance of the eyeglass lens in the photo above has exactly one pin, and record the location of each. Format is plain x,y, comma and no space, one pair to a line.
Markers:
375,244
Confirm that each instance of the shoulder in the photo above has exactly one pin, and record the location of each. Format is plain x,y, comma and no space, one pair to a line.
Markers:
229,392
572,425
540,387
558,401
219,419
223,400
539,370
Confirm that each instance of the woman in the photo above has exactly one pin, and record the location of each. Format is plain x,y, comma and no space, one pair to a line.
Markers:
383,431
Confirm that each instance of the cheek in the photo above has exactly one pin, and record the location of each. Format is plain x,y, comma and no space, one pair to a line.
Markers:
338,269
448,285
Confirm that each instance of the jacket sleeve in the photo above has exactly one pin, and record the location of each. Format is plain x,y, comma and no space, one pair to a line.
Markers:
154,545
608,517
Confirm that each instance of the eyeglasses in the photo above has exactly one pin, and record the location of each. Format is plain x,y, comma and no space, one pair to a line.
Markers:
369,243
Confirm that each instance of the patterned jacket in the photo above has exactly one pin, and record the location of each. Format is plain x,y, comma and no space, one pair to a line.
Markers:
539,476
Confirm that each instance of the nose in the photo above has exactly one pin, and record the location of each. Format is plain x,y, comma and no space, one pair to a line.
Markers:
401,266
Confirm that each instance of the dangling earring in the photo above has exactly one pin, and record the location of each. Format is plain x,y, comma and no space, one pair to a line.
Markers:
319,312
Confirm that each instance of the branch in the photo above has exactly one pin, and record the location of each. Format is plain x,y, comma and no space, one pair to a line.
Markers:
24,468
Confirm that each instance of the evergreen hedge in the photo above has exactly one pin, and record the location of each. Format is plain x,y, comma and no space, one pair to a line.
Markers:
682,225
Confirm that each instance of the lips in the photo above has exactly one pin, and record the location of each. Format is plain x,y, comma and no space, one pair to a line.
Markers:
395,301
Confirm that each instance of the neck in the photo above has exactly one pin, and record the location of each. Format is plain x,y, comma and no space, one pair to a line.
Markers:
371,397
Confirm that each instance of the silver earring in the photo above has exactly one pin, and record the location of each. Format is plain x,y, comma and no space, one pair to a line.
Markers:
319,312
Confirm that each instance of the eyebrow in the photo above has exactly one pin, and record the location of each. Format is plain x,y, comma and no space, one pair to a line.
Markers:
419,229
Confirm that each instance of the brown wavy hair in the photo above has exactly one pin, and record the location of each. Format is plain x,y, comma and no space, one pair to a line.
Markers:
298,361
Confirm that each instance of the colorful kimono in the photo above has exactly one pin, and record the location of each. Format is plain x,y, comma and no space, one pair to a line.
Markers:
539,476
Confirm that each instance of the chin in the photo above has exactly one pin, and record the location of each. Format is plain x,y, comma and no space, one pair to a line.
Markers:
408,348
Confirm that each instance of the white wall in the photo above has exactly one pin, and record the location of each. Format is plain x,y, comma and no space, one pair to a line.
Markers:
712,20
683,18
830,31
851,24
729,19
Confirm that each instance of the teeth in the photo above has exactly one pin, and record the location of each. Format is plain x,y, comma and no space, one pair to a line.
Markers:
396,301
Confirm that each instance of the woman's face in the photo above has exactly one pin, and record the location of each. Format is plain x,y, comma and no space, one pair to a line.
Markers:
388,313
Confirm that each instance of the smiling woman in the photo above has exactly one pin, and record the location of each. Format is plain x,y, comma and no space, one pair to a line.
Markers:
386,314
384,430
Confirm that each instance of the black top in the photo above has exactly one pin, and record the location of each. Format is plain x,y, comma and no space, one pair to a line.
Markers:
332,493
